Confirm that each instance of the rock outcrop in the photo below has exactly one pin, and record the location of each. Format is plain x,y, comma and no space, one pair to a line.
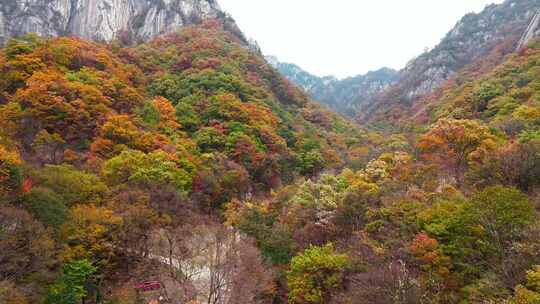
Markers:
531,32
103,20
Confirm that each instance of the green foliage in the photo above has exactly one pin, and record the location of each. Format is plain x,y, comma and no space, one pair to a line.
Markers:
500,214
149,114
278,245
529,135
24,45
187,116
209,139
444,220
274,239
72,185
327,193
485,93
206,82
481,228
146,169
310,162
46,206
310,159
72,287
374,226
505,97
315,274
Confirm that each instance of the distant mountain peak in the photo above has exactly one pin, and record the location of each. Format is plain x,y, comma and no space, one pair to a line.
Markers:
342,95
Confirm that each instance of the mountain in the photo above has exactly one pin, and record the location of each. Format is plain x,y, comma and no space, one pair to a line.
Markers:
104,20
186,169
296,74
503,96
107,151
342,95
350,94
474,36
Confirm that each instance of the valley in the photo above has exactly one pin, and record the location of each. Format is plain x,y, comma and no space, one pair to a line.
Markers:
150,153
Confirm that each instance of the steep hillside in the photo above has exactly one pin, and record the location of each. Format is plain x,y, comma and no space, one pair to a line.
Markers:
448,213
187,170
505,98
105,20
107,152
345,96
476,35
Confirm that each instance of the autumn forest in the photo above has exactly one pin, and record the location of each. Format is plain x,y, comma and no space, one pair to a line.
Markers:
191,162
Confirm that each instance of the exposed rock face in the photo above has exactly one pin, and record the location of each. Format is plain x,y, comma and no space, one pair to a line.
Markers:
531,32
475,36
472,37
102,20
346,95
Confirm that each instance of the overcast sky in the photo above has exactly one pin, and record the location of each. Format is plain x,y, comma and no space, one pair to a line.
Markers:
348,37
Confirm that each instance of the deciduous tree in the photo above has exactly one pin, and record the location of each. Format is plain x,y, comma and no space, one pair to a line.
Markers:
72,287
315,275
455,143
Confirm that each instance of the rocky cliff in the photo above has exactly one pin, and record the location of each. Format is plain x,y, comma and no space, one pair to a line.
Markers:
103,20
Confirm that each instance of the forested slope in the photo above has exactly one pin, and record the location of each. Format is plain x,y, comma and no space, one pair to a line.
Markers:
106,151
474,37
188,160
447,213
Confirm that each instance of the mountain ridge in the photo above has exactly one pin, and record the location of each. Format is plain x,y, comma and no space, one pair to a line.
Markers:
189,166
106,20
344,95
497,28
474,36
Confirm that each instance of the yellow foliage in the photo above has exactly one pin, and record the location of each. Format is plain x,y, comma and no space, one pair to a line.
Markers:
533,278
167,113
527,114
9,117
89,233
525,296
8,159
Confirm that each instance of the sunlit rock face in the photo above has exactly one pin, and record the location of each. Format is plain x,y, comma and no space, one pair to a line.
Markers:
102,20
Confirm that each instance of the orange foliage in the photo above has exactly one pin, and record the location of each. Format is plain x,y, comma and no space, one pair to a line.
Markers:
427,251
167,113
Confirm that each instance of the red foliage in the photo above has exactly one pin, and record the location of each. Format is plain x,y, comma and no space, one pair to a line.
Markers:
27,185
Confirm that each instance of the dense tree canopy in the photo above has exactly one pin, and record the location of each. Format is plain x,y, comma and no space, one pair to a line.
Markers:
191,160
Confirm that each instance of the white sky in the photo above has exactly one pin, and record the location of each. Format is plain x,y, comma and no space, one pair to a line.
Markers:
348,37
